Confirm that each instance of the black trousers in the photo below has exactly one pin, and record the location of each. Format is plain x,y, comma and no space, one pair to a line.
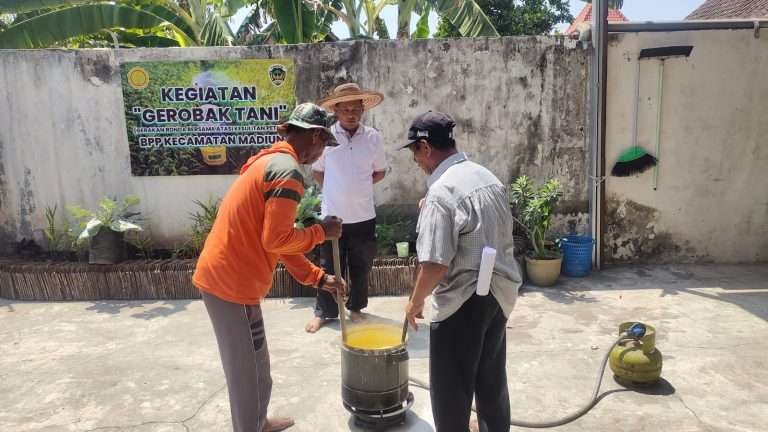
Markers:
467,357
357,248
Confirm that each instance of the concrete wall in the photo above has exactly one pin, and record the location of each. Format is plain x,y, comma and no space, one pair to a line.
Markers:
519,104
712,198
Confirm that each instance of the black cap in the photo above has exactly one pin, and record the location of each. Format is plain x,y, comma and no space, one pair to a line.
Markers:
432,126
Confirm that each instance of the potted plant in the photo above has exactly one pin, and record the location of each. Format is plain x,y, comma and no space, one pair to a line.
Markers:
306,213
395,232
533,208
105,228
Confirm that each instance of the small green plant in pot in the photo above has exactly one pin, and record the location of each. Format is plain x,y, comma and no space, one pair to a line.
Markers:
534,208
105,228
307,212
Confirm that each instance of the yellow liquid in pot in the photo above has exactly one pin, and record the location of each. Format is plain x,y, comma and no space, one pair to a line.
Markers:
373,336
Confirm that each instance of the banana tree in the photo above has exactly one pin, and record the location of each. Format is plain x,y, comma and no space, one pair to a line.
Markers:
295,21
44,23
465,15
363,17
351,13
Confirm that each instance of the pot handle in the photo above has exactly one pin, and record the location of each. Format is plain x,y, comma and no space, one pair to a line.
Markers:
398,356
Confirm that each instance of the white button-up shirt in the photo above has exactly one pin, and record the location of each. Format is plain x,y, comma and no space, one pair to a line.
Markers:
348,173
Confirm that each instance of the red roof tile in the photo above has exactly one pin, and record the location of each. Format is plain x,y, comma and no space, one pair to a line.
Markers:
614,15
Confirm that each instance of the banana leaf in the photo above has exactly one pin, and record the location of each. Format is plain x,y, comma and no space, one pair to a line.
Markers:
62,24
466,16
21,6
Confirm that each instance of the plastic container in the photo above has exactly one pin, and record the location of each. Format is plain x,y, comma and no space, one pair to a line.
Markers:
402,249
214,156
577,255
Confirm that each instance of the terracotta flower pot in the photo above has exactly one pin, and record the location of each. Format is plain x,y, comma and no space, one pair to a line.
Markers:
543,272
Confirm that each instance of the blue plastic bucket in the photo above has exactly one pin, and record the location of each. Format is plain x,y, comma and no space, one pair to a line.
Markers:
577,255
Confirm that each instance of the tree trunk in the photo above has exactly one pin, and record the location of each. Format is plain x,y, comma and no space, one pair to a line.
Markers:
404,12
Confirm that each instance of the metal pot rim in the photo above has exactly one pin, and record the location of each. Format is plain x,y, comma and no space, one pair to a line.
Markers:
375,351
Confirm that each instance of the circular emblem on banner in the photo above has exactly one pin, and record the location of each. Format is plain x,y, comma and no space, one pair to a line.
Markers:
138,78
277,74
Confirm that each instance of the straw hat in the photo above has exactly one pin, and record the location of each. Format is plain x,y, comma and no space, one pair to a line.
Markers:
351,92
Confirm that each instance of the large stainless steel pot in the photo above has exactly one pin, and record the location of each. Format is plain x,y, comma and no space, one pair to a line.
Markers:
374,380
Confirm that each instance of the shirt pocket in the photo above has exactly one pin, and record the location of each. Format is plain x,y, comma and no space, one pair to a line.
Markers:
363,159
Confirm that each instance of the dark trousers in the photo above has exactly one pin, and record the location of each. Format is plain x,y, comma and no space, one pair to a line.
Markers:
357,248
467,357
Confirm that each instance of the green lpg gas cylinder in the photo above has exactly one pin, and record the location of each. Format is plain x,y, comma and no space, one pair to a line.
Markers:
636,361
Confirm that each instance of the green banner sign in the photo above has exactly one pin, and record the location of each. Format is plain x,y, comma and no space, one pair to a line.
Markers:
203,117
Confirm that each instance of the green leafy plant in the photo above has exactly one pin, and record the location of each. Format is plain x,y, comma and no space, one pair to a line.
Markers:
202,222
385,238
529,17
533,208
393,226
55,233
306,213
143,243
94,23
111,214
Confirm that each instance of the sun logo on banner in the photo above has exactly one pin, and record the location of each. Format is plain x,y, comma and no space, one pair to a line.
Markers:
138,78
277,74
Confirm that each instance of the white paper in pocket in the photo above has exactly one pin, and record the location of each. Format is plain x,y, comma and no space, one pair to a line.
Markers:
487,261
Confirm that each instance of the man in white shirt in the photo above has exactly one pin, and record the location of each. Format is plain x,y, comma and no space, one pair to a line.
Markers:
347,176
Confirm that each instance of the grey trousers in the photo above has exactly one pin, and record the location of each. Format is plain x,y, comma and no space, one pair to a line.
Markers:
244,355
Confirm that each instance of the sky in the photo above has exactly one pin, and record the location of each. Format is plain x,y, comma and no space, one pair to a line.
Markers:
635,10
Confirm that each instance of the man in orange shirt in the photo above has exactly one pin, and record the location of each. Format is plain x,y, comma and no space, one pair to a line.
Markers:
252,232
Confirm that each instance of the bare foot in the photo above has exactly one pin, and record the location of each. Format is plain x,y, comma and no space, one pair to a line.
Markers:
277,424
474,426
314,324
356,316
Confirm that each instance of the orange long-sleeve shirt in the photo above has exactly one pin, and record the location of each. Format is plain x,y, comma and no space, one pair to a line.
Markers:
254,229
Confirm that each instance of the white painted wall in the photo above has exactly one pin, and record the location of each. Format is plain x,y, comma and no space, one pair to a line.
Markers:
520,107
518,102
712,197
63,142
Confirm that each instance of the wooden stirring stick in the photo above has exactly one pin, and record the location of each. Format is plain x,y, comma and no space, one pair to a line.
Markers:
339,295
